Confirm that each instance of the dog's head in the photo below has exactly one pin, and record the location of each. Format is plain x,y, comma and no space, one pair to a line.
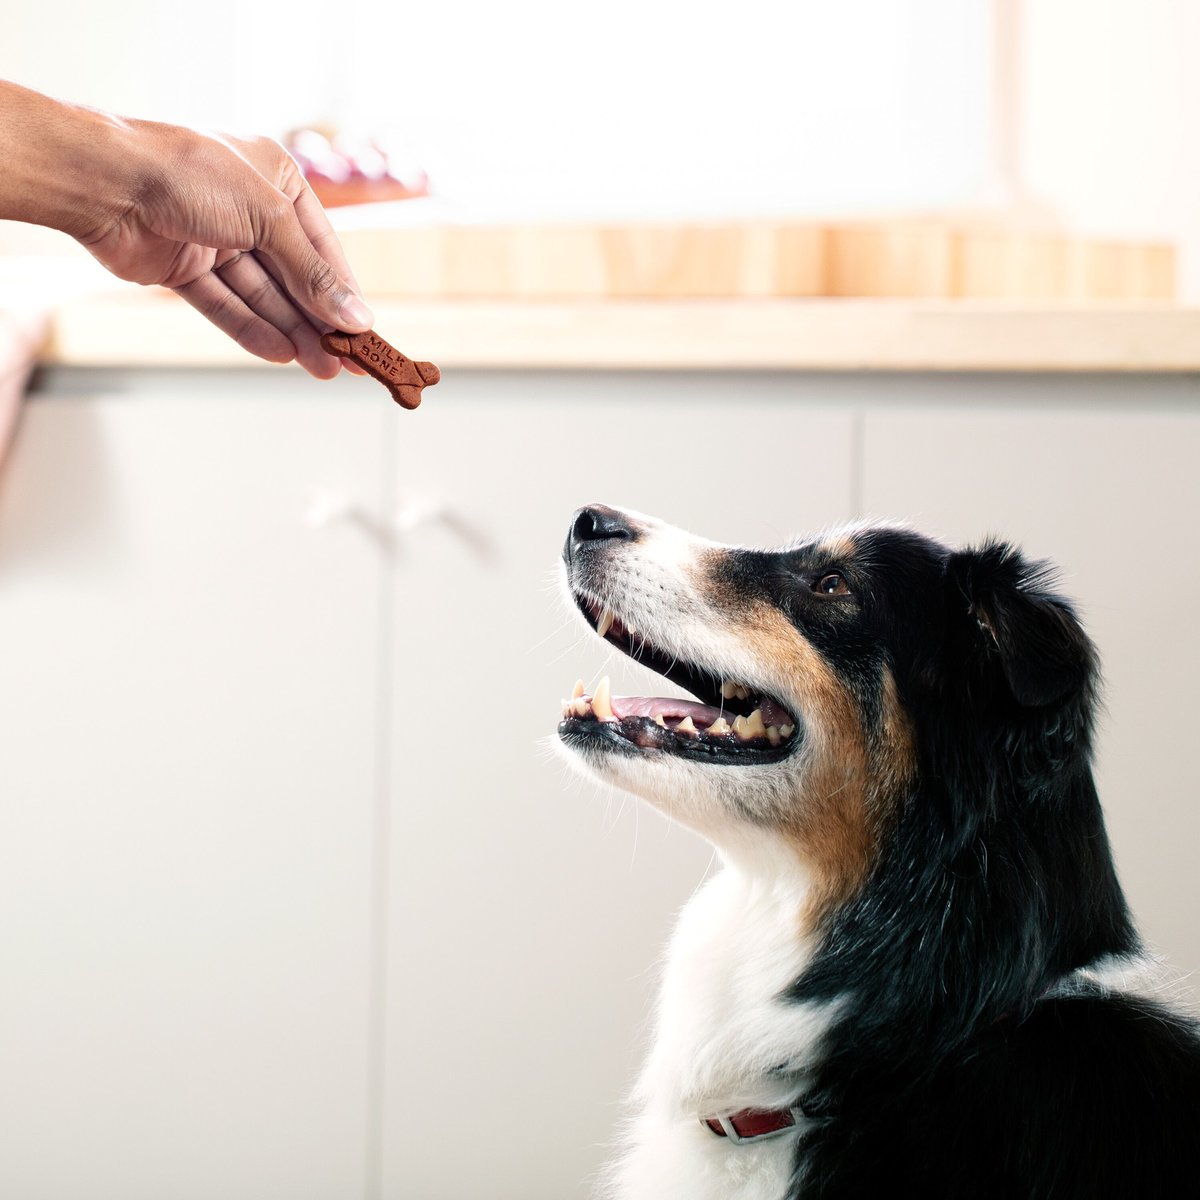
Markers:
830,676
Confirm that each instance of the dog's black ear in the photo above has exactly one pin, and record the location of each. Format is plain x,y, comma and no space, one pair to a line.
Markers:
1042,649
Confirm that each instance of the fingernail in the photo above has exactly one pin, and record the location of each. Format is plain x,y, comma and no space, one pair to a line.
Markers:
354,312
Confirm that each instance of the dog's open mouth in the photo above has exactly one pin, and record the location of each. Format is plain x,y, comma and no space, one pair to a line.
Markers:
729,722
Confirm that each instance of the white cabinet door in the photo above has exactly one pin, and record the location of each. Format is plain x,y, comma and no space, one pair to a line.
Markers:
1113,498
188,687
527,908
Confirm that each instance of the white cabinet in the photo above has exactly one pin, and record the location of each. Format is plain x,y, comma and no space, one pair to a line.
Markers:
187,770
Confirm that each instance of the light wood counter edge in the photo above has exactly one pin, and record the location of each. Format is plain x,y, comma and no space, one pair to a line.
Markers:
148,329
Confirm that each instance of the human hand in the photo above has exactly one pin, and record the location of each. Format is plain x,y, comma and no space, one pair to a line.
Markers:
231,226
227,223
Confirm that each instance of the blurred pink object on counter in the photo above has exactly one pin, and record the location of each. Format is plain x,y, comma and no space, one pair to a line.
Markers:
342,171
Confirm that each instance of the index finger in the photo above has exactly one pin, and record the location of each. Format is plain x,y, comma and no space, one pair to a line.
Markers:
316,226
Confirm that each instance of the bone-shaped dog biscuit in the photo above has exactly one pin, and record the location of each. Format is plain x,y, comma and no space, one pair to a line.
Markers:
401,376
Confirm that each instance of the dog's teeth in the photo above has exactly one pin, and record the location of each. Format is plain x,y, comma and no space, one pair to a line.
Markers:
658,720
582,707
571,707
720,725
743,692
605,623
751,726
602,701
773,735
687,725
728,690
787,730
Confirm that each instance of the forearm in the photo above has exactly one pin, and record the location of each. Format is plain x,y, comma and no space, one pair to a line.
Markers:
65,166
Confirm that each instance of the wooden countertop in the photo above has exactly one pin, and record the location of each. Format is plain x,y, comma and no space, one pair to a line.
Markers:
134,327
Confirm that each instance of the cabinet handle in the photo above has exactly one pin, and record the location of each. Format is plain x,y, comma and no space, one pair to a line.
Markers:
326,508
421,513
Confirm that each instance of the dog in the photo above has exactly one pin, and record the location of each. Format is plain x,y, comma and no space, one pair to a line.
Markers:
910,975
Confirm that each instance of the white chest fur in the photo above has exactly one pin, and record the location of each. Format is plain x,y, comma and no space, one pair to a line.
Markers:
724,1040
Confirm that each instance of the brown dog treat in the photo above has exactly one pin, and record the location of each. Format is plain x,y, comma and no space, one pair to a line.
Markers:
401,376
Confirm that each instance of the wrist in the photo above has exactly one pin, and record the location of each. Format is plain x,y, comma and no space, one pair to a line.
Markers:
68,167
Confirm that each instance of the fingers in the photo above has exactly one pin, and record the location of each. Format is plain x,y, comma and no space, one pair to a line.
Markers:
309,279
265,263
246,276
210,296
316,226
318,230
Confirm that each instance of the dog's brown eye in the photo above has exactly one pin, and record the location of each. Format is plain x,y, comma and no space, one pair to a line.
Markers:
832,584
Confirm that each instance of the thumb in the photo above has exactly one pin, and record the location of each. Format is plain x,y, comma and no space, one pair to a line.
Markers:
311,281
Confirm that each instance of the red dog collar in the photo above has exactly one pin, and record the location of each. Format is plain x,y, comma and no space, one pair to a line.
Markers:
753,1124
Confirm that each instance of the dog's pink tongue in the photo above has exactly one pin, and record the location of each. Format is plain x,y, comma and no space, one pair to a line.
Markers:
664,706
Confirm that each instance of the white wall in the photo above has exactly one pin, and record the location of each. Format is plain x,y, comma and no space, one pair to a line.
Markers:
654,106
760,104
1111,97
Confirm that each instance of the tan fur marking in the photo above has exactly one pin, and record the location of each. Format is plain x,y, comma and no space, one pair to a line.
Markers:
896,756
841,547
829,821
849,787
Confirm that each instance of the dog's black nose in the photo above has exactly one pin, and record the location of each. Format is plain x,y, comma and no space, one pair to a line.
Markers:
597,523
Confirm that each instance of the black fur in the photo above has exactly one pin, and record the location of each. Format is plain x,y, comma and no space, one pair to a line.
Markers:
949,1071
